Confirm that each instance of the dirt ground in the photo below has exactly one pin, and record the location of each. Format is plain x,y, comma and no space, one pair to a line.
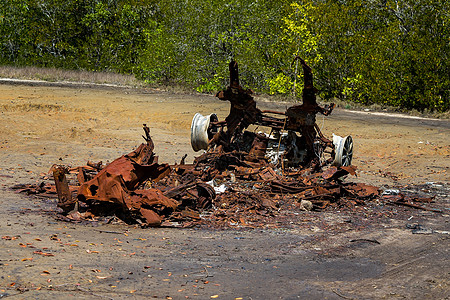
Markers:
41,125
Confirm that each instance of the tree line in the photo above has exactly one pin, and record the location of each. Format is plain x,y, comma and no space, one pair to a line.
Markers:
388,52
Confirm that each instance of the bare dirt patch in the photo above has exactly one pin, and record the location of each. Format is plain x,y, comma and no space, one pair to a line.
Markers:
40,126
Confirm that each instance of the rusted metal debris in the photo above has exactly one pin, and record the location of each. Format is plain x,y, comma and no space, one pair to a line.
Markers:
65,200
295,130
234,183
219,189
117,186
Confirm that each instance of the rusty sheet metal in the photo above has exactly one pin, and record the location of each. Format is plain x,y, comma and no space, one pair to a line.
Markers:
334,173
151,205
268,174
117,184
362,190
65,200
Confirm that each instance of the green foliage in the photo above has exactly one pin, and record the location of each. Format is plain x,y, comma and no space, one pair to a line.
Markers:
279,84
212,85
389,52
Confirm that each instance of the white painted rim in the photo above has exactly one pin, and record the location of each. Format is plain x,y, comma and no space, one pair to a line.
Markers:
199,131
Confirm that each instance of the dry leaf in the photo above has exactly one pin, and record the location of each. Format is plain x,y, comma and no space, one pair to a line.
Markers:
89,251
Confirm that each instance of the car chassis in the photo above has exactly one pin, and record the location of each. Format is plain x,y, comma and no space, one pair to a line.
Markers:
295,140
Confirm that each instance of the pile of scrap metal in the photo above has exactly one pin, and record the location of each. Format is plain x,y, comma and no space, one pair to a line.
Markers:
223,188
117,188
243,178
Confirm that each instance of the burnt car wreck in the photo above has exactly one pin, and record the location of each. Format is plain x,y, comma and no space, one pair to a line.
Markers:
295,140
244,178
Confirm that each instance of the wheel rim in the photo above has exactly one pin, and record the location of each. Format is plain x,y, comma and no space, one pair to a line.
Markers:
199,131
347,151
343,150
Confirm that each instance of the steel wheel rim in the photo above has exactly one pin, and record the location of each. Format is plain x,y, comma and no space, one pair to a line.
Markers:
347,151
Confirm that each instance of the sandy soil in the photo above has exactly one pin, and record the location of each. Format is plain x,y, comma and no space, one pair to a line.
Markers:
42,125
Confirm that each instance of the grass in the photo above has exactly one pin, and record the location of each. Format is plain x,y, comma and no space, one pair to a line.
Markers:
61,75
31,107
58,75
